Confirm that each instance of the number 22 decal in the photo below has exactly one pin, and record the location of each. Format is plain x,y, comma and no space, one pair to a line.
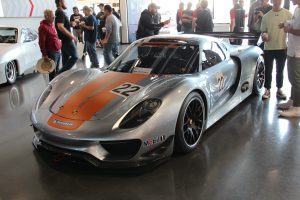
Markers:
221,81
126,89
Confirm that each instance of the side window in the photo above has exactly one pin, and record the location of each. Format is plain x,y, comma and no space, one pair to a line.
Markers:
28,35
217,49
211,55
33,35
24,33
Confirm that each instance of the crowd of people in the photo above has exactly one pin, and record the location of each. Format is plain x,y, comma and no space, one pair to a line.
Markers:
275,25
271,22
59,35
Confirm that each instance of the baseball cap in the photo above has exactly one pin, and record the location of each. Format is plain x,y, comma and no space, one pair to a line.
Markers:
153,5
101,4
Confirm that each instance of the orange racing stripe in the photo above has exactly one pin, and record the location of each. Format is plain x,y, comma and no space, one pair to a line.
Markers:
86,105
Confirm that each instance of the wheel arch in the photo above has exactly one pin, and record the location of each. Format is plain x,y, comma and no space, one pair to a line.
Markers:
203,96
17,66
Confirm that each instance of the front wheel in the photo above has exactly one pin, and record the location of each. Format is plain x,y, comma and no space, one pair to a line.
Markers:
190,124
11,72
259,79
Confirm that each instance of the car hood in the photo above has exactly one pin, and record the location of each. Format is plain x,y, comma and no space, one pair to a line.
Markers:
105,94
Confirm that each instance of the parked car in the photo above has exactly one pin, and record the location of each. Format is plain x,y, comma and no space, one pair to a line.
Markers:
19,52
156,98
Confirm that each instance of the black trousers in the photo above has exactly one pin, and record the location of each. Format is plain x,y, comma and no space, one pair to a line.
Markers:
280,57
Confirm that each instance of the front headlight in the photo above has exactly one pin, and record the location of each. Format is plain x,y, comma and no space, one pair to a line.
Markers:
43,97
140,113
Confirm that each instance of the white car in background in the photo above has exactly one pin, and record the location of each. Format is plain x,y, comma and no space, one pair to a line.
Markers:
19,52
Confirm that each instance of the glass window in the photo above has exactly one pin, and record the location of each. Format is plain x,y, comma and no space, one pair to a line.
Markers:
8,35
28,35
33,35
217,49
211,55
158,58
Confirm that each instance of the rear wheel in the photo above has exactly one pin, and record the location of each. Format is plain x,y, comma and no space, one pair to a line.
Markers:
11,72
190,124
259,79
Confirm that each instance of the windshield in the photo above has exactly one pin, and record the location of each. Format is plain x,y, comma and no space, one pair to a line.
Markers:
8,35
158,58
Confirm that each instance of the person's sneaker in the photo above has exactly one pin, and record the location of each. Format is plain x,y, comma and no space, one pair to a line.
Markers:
292,112
280,94
285,106
266,94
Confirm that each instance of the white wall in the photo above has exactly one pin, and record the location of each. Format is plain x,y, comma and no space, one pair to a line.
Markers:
33,8
32,22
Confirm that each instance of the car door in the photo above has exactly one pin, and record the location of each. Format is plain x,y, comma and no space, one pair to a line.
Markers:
222,74
29,45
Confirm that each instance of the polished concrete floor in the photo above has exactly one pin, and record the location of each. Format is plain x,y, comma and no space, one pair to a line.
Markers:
249,154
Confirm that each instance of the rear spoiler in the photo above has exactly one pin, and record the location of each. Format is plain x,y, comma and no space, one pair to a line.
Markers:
231,35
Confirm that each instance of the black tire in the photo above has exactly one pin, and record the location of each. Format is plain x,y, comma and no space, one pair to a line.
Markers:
11,72
259,79
190,124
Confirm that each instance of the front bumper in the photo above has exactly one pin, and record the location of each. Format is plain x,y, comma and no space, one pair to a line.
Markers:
112,154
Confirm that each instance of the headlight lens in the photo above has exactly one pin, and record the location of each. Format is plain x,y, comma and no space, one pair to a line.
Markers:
43,97
140,113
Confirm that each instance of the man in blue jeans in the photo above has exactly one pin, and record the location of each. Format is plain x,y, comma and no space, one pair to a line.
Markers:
112,37
90,35
63,27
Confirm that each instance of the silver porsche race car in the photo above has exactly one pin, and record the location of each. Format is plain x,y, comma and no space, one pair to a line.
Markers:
156,98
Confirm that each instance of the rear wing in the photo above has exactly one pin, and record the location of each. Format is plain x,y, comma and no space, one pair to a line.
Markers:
231,35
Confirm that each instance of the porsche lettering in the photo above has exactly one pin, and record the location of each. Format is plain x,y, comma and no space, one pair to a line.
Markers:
62,123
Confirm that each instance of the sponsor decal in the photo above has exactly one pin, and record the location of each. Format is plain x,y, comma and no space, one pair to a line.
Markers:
154,140
56,121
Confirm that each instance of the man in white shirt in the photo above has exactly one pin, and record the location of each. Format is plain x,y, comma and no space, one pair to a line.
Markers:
292,107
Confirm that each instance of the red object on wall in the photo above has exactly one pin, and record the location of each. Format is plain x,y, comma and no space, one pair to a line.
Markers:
31,9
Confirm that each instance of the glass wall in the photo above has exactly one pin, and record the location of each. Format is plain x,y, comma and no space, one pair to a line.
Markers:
220,10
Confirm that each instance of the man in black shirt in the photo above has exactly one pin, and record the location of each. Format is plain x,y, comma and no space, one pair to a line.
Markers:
204,21
63,27
101,17
147,26
75,19
90,35
116,14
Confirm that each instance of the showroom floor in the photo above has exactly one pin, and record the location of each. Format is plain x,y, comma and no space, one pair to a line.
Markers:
249,154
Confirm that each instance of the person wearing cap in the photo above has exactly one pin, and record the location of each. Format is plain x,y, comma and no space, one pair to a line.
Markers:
111,41
75,19
49,42
63,27
90,35
147,26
